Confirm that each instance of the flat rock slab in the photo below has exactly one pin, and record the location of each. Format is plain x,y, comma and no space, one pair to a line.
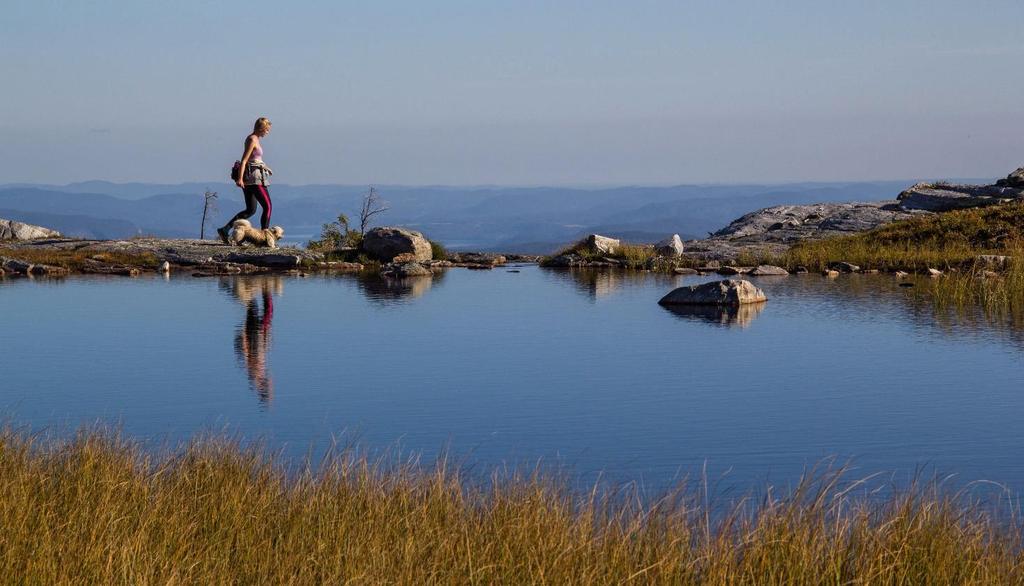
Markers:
729,292
179,251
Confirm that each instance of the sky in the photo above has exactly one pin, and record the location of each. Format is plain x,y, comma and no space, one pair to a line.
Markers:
488,92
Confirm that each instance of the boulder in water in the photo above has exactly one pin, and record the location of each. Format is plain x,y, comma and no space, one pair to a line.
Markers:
730,292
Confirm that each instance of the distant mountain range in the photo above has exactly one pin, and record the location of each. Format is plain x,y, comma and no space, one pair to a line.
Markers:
508,219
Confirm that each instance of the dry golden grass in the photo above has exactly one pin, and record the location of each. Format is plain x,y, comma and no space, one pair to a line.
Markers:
950,239
75,259
98,510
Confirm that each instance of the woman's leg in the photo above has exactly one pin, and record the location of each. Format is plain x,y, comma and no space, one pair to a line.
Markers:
263,196
251,195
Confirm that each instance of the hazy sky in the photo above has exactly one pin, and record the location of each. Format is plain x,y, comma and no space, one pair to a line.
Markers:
523,92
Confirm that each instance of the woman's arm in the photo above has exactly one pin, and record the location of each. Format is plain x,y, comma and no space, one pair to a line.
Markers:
250,142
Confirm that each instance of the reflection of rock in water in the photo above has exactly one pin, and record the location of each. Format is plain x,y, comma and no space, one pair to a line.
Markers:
719,315
388,291
598,283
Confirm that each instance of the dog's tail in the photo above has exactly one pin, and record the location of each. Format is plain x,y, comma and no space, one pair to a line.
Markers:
241,224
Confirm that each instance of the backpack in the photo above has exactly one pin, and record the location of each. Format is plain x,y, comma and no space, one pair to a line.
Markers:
236,171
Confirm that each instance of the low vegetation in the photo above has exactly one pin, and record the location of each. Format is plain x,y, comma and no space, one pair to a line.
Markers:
75,260
97,509
631,256
951,239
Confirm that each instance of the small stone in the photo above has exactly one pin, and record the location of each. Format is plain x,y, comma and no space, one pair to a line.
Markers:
165,267
901,274
685,271
768,270
846,267
831,273
933,272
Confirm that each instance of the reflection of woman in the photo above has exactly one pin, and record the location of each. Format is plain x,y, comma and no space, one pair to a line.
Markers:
252,340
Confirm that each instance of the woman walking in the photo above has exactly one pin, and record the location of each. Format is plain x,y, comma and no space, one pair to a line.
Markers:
253,177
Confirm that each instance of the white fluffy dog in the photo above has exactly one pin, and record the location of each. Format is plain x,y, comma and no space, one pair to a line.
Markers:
242,231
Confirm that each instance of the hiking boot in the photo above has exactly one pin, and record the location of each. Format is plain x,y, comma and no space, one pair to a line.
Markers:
223,233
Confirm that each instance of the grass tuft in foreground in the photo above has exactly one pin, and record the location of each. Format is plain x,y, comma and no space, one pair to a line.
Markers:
98,510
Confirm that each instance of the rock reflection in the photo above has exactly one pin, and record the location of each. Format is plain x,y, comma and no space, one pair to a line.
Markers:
396,291
252,336
726,316
598,283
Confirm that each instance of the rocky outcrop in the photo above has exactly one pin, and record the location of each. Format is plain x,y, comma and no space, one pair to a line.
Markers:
730,292
773,230
11,230
671,247
387,242
945,197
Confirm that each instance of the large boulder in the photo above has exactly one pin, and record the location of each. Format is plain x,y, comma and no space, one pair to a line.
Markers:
671,247
1015,179
387,242
11,230
731,292
599,244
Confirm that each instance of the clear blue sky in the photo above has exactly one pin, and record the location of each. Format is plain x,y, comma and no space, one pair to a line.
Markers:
524,92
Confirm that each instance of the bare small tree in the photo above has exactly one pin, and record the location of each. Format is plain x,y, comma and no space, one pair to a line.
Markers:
372,205
209,206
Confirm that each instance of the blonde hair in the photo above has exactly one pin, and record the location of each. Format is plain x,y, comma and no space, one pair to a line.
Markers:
261,125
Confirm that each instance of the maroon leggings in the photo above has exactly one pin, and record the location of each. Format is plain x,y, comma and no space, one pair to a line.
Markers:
255,194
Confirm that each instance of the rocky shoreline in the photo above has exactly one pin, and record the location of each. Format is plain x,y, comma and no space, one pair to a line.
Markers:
402,253
57,256
770,232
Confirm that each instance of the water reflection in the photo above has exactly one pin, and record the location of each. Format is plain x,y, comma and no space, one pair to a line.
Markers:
395,291
598,283
252,336
726,316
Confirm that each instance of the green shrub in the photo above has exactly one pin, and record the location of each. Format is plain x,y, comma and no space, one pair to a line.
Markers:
438,251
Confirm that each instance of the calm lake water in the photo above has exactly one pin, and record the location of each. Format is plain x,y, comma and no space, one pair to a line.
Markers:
500,367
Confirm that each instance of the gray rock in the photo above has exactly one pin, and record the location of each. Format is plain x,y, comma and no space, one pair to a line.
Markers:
1015,179
944,197
387,242
15,266
563,261
48,270
993,261
409,269
12,230
477,258
731,270
768,270
600,244
732,292
671,247
271,260
685,271
846,267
